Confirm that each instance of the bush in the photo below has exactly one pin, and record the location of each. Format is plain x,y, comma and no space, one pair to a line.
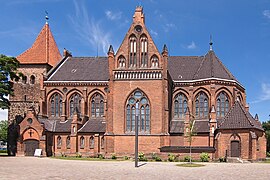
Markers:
78,155
3,151
222,159
204,157
268,154
171,157
63,155
114,156
100,156
156,157
187,158
126,158
142,157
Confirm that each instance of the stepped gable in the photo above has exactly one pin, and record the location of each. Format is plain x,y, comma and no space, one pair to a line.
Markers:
43,51
238,118
183,68
81,69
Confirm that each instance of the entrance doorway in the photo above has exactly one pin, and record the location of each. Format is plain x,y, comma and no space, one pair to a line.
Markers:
235,149
30,146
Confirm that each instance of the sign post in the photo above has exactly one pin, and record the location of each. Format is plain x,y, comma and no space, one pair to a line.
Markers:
136,134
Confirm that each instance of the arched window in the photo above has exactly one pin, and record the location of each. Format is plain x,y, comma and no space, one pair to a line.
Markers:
97,105
75,103
59,142
24,79
154,61
180,105
201,106
144,57
133,50
56,105
144,112
82,142
223,104
121,62
32,79
68,142
91,142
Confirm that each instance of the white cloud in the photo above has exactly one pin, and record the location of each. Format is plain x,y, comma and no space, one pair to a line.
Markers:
192,45
265,93
113,15
90,30
153,33
169,26
266,13
3,114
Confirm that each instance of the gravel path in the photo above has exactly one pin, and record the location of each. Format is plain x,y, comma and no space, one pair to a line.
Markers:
48,168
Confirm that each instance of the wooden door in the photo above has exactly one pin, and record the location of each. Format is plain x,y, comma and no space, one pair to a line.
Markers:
235,149
30,146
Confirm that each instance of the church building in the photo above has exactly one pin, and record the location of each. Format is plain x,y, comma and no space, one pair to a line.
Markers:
87,105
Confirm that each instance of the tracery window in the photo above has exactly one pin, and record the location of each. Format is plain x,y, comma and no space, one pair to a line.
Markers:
74,103
97,105
59,142
68,142
180,105
144,57
56,105
223,104
143,109
91,142
201,106
154,61
133,50
82,142
121,62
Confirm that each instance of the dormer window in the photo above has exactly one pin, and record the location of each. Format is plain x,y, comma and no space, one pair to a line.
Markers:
144,58
133,50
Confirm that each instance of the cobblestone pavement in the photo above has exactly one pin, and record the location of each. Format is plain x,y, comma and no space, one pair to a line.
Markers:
48,168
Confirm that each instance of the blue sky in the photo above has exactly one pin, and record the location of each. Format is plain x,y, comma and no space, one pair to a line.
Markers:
240,30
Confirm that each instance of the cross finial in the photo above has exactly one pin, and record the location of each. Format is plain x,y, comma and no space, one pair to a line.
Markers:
211,43
46,17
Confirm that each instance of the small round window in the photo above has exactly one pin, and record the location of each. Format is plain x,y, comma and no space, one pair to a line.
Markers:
29,120
138,28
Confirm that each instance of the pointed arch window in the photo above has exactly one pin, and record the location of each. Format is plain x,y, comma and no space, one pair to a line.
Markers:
97,105
201,106
154,61
121,62
59,142
68,142
75,103
180,106
56,105
144,112
32,79
144,49
223,104
82,142
133,50
91,142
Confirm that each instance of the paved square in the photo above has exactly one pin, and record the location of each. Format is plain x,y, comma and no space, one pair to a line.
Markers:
48,168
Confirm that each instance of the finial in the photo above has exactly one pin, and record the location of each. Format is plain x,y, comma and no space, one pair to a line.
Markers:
46,17
256,117
165,48
110,49
211,43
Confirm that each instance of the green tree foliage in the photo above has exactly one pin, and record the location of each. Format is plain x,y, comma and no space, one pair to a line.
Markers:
266,127
8,74
3,130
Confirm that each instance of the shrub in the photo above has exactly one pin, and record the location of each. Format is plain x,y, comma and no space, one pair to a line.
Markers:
63,155
204,157
126,158
142,157
114,156
156,157
100,156
78,155
171,157
222,159
187,158
268,154
3,151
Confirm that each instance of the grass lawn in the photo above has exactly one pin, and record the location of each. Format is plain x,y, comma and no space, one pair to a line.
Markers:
3,154
190,165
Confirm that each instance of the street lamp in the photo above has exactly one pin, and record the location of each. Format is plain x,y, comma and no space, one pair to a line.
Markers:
136,133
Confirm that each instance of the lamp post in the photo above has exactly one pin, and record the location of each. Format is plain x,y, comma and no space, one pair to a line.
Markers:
136,134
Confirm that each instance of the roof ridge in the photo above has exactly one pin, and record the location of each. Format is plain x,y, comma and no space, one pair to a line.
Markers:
83,126
245,112
201,64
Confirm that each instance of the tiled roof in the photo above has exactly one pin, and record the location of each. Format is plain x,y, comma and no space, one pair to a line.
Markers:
177,126
200,126
62,126
44,49
94,125
81,69
197,67
48,124
238,117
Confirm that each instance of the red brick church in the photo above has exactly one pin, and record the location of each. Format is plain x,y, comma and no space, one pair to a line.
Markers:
70,105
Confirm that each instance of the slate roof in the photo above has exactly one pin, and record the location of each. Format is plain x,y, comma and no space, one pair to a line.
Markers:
81,69
198,67
44,49
238,118
200,126
62,126
94,125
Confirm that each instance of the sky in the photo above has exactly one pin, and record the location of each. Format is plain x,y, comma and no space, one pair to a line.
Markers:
240,30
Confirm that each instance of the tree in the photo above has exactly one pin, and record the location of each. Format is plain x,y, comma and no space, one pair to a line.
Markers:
266,127
3,130
190,133
8,74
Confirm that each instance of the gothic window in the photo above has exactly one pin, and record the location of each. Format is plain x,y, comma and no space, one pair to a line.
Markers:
154,61
74,103
144,57
201,106
92,142
121,62
56,105
97,105
68,142
180,105
59,142
32,79
223,104
82,142
133,50
143,112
